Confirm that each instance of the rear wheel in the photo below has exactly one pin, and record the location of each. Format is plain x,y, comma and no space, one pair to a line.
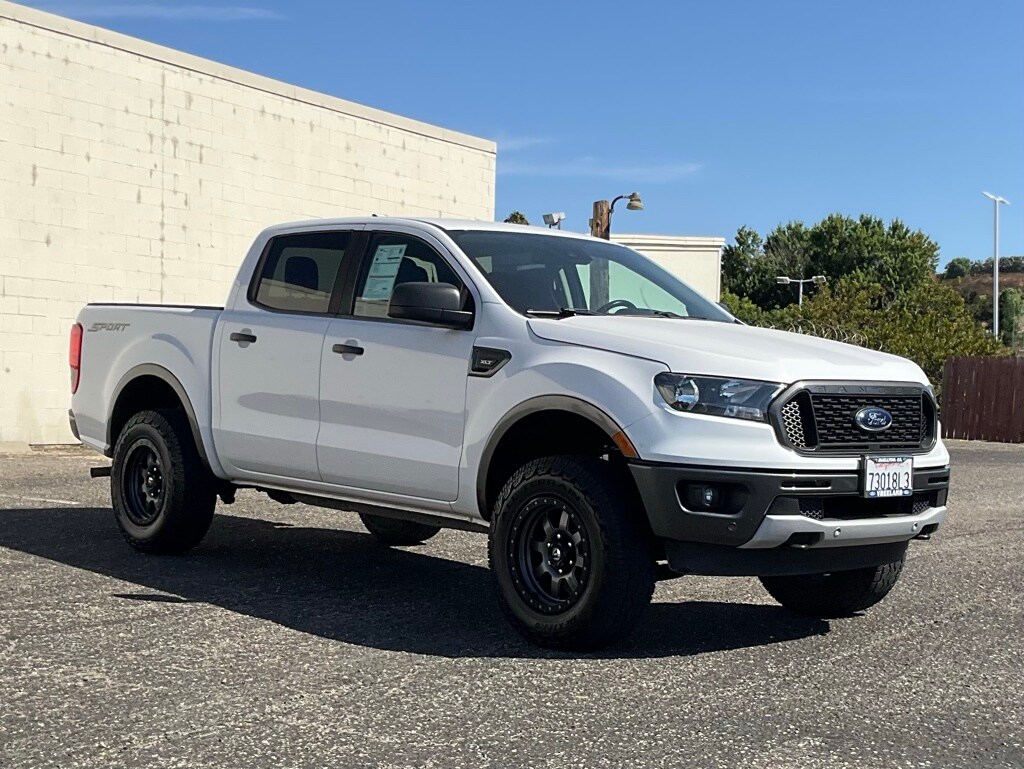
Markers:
163,495
838,594
573,564
392,531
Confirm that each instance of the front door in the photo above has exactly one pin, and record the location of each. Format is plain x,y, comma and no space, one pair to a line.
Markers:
269,352
393,393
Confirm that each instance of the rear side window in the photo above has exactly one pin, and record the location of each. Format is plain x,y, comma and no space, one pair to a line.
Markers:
300,271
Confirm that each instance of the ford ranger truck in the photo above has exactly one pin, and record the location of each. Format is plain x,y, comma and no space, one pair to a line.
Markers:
605,424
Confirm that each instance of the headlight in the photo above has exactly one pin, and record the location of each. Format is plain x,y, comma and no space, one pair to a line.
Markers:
717,396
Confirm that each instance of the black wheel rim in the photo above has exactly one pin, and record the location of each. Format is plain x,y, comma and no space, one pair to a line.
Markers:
143,483
550,554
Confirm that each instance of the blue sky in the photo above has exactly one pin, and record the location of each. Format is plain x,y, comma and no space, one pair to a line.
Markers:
719,113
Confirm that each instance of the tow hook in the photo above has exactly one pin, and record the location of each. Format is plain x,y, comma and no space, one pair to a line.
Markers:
99,472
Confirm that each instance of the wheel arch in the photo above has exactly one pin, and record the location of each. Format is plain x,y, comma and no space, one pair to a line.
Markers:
149,385
556,412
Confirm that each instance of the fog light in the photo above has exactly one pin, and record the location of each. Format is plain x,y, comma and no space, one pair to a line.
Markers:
704,497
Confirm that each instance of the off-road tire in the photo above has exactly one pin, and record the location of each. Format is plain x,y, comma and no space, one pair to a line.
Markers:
614,543
838,594
392,531
176,518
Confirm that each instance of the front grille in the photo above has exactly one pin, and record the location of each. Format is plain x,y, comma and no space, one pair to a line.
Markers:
793,424
846,507
833,417
812,507
821,418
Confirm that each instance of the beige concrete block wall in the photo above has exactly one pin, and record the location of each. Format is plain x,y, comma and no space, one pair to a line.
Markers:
130,172
695,260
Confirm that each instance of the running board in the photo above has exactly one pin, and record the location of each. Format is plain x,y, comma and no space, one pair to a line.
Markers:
392,512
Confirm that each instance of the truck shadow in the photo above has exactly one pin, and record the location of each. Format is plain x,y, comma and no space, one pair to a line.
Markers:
344,586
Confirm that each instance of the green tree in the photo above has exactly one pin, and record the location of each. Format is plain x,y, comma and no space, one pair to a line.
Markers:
838,246
741,263
1011,317
927,324
744,309
957,268
516,217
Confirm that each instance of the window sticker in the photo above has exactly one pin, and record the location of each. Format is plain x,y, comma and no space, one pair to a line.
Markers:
383,270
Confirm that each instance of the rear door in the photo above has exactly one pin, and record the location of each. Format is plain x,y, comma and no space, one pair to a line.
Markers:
269,352
392,392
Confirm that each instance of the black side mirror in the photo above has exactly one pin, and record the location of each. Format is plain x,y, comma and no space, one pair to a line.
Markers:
437,303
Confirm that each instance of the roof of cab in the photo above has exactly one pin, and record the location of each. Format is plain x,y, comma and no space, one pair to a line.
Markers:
439,223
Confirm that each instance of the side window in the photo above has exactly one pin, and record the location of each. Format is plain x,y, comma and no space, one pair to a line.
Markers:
392,260
299,272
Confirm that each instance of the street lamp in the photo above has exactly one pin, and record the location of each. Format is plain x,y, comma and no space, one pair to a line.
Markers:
816,280
634,204
996,200
601,227
601,223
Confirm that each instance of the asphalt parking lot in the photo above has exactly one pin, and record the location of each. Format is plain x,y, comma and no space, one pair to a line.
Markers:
289,638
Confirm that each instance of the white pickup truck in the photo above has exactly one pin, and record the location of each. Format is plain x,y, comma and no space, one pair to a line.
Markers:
606,425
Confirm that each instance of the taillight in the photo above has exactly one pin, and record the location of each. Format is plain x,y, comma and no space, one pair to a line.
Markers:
75,356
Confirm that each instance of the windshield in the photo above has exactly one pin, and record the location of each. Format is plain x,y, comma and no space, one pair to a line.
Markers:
551,274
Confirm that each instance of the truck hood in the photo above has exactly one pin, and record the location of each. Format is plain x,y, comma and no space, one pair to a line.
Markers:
728,349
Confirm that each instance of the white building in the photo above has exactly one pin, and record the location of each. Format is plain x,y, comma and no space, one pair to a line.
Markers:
131,172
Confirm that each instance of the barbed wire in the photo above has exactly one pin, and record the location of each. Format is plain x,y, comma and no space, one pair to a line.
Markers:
833,333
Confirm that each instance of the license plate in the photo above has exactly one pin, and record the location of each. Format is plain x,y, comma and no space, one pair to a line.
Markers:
888,477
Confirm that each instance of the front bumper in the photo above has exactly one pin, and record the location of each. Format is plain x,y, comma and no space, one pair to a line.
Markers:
768,509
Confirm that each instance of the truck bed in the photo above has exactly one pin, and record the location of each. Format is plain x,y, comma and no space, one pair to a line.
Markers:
119,338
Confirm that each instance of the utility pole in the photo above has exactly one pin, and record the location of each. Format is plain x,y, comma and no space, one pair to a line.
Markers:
996,200
600,227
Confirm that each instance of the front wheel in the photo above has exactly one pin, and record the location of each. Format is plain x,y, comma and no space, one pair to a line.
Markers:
573,563
838,594
163,495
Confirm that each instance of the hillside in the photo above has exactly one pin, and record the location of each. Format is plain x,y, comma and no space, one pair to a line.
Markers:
982,284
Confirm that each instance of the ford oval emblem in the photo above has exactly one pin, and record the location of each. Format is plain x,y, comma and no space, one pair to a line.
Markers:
873,419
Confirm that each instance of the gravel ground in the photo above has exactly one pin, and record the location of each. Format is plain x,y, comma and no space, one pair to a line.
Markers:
290,639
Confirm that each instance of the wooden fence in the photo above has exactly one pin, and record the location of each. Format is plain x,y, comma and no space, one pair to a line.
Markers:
983,399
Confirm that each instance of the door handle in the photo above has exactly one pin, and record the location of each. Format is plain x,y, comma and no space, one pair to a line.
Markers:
347,349
242,337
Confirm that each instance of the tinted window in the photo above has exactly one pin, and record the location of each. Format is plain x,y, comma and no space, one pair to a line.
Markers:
395,259
547,273
300,271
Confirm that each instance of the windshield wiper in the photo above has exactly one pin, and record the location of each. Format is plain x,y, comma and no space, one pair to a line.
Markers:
669,314
562,312
568,312
645,312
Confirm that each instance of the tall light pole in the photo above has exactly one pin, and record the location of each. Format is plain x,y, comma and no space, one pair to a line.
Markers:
996,200
601,227
816,280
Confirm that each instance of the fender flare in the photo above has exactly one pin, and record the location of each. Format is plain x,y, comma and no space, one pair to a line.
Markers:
532,406
152,369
